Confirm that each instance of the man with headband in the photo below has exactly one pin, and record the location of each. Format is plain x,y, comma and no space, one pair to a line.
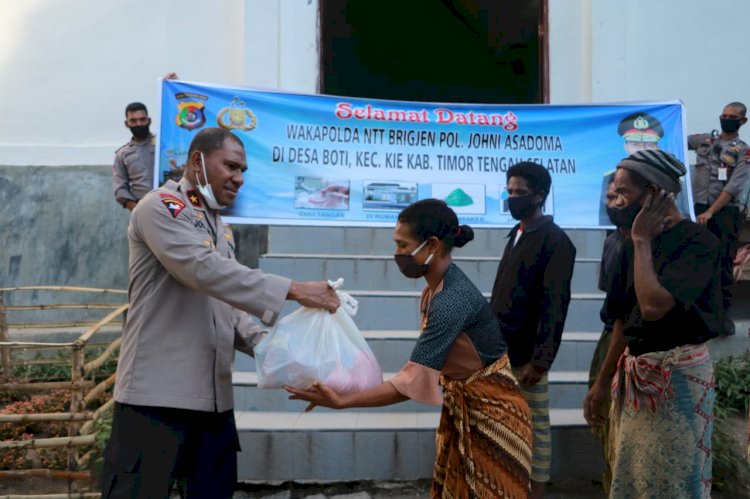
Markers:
665,302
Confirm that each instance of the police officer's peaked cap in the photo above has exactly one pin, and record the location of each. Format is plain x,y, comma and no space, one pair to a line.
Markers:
640,127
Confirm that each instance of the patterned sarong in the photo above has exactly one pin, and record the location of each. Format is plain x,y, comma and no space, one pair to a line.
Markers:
662,423
483,441
537,396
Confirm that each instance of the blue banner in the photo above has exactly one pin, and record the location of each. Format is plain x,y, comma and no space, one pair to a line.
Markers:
328,160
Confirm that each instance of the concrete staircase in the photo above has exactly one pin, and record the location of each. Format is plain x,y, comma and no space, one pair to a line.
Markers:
281,442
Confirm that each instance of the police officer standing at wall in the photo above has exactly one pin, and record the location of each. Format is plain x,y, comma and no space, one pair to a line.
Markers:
721,175
190,302
133,169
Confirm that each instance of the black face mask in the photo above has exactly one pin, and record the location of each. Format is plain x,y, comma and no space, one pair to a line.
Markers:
730,125
408,266
140,132
624,217
522,207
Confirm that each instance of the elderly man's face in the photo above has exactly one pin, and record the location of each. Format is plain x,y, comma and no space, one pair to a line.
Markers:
626,192
611,196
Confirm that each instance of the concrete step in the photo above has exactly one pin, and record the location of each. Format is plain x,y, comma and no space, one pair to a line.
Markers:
393,349
349,445
398,310
566,391
379,241
379,272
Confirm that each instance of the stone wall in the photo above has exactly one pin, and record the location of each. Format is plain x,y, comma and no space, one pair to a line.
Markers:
61,226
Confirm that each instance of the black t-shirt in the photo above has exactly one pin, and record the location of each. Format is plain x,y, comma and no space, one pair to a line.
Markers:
686,261
611,251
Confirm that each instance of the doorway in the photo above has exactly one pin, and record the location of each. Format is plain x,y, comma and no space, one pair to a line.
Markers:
474,51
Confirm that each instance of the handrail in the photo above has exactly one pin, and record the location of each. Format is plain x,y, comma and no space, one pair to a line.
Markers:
79,421
65,288
87,334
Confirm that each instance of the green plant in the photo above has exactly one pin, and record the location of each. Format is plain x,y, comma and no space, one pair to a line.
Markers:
103,428
731,469
105,370
54,368
733,382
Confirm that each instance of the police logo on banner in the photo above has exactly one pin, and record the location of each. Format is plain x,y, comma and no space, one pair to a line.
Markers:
237,117
190,113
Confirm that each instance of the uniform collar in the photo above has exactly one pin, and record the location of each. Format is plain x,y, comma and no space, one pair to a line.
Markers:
192,194
150,141
533,226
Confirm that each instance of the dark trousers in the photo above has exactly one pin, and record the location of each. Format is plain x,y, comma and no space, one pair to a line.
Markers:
602,432
725,225
152,447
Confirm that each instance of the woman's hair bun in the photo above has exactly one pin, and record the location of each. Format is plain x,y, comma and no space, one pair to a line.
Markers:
464,234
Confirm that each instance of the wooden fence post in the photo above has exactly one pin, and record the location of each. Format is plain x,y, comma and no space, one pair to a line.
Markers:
76,397
4,350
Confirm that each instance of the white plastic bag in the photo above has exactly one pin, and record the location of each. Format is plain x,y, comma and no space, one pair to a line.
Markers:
313,344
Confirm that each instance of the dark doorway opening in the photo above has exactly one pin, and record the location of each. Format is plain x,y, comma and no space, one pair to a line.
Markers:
435,50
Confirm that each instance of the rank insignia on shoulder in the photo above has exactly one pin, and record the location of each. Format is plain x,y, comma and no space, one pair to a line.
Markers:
194,198
174,205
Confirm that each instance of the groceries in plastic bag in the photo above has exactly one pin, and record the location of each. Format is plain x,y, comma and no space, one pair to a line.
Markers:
313,344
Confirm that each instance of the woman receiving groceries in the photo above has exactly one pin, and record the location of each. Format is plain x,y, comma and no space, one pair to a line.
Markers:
483,440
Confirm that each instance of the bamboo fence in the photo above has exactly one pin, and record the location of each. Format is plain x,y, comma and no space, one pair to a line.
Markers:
79,419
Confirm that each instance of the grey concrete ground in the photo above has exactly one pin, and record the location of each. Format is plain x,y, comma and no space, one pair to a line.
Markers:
392,490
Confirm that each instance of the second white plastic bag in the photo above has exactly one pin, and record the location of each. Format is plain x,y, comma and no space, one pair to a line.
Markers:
313,344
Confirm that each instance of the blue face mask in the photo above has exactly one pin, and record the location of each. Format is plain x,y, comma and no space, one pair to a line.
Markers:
206,191
408,266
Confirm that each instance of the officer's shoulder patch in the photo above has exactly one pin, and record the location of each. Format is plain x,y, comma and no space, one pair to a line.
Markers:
174,204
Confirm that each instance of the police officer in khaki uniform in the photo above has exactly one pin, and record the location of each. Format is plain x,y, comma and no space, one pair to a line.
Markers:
721,175
189,305
133,169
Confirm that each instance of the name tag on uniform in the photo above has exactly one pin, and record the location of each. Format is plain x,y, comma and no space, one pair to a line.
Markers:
723,173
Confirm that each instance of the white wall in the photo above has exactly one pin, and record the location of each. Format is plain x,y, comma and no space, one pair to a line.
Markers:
69,68
282,44
615,50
